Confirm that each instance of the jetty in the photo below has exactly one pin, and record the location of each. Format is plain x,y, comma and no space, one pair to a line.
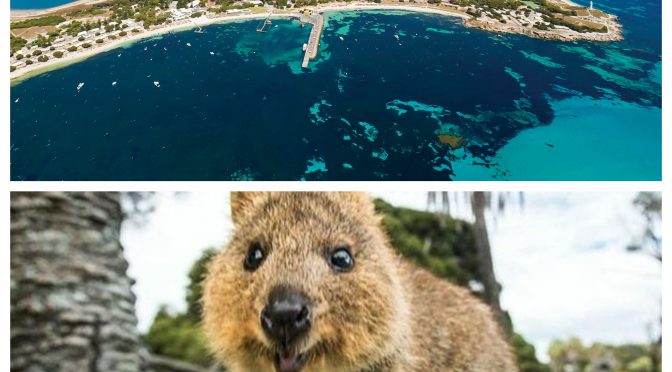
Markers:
266,22
317,21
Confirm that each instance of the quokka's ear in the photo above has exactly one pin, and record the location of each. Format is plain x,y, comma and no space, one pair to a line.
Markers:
242,202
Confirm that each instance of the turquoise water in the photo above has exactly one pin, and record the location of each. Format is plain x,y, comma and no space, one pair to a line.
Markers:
235,104
37,4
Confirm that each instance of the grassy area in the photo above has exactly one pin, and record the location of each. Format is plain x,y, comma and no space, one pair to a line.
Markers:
42,21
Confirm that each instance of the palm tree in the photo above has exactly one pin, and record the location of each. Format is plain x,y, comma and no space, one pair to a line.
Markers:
72,308
479,202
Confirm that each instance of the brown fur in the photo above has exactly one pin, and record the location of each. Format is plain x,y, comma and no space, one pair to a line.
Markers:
384,315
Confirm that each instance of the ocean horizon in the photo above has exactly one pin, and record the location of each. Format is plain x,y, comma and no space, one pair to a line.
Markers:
392,96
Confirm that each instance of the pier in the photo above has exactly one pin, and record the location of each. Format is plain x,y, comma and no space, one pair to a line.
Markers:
266,22
317,20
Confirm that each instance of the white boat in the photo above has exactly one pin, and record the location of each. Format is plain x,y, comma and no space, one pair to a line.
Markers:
79,86
188,44
212,53
114,83
17,101
145,48
119,55
396,37
156,84
305,46
341,37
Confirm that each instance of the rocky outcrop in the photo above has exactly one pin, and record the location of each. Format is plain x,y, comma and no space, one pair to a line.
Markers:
72,304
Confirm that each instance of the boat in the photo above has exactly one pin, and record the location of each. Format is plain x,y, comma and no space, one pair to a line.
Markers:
212,53
305,46
189,44
114,83
17,101
199,30
79,86
156,84
145,48
341,37
119,55
396,37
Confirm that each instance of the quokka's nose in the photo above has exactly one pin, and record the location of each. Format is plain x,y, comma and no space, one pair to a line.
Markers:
287,315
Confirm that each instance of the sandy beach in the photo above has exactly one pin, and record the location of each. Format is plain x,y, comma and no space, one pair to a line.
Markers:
19,14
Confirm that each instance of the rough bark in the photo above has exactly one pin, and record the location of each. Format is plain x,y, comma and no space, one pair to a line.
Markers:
72,308
486,269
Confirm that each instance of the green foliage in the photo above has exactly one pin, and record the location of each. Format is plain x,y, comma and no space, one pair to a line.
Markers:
58,54
29,62
86,45
195,288
177,336
443,245
42,21
572,353
16,43
72,48
495,4
12,68
42,59
526,355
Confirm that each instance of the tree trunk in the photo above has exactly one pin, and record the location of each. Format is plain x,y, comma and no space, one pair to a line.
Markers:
485,266
72,308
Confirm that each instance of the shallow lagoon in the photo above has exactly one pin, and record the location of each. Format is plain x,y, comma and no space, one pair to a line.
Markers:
371,107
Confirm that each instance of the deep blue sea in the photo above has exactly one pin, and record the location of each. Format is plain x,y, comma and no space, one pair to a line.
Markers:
36,4
234,104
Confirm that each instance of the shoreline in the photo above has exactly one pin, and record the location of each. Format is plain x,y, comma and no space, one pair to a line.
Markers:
20,14
467,21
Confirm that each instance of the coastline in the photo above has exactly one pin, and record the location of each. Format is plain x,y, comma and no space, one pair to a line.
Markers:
74,57
20,14
468,21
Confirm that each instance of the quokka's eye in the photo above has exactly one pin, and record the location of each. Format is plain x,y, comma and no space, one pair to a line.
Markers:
255,256
341,260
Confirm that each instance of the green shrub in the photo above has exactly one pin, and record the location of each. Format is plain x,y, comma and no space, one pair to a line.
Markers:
72,48
42,59
86,45
29,62
43,21
58,54
37,52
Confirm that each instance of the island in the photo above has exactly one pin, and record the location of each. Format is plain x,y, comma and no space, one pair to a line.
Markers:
41,40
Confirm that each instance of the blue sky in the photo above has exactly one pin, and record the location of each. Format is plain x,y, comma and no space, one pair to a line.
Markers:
560,258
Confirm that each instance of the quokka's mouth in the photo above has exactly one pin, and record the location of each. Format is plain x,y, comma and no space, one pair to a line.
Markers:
289,362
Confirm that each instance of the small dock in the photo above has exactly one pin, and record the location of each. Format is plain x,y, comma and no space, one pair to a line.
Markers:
317,20
266,22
